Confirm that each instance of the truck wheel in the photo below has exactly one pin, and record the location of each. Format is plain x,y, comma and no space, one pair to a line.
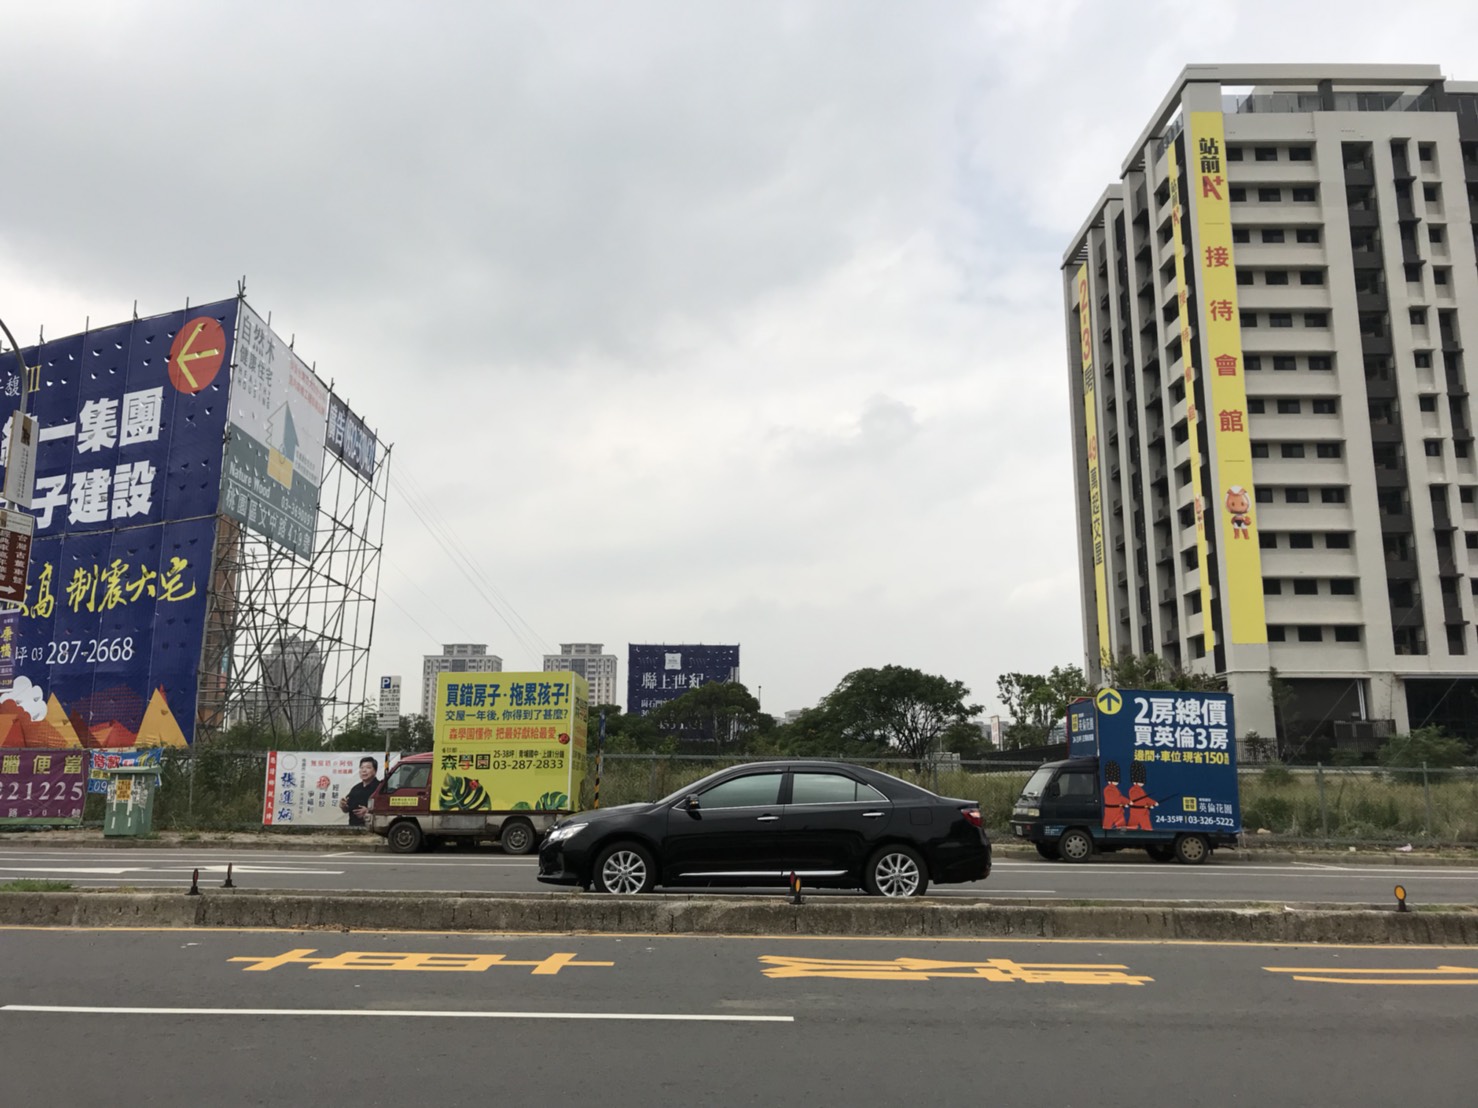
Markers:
1160,852
1076,845
1048,851
625,868
405,837
1192,850
516,836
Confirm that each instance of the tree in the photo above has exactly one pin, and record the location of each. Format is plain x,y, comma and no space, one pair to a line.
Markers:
1036,701
627,734
896,708
720,715
1150,671
1426,746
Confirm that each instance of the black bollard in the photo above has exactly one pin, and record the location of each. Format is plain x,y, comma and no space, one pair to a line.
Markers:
194,884
795,888
228,883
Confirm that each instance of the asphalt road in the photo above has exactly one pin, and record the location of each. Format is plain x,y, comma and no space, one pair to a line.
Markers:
183,1018
1219,880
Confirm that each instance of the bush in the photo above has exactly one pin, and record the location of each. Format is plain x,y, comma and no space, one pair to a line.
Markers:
1277,776
1426,746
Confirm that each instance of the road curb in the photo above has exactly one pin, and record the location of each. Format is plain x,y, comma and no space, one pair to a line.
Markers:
586,913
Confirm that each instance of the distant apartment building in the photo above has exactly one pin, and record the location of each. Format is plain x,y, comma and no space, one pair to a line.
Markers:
455,657
289,698
1273,434
586,659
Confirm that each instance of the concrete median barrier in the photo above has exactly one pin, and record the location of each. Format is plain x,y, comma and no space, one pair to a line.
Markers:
843,916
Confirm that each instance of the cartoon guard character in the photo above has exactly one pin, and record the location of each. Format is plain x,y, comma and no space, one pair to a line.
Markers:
1239,507
1114,800
1140,802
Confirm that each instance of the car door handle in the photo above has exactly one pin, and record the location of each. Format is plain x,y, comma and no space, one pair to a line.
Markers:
872,815
765,819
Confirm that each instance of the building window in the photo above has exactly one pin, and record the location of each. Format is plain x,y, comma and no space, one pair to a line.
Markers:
1275,633
1264,494
1241,234
1460,448
1346,633
1424,151
1295,495
1413,273
1316,319
1305,195
1422,359
1324,405
1304,586
1470,539
1300,154
1300,540
1289,407
1337,540
1428,402
1434,232
1321,362
1332,495
1271,586
1252,363
1275,277
1417,317
1265,153
1311,277
1432,448
1244,276
1440,274
1269,196
1234,153
1237,195
1291,450
1259,450
1248,319
1280,319
1272,234
1269,541
1255,407
1465,496
1310,634
1430,193
1342,586
1329,450
1306,234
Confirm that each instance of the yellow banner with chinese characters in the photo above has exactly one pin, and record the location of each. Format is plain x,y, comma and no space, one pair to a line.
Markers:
1192,415
1095,489
507,742
1234,493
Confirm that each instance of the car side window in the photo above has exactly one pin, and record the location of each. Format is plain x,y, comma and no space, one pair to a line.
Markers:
410,777
1077,784
754,791
830,788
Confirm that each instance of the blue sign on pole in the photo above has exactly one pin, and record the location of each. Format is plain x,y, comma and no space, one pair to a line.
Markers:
1167,761
656,674
104,650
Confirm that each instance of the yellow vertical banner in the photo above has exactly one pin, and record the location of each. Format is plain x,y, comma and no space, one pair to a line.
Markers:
1095,488
1192,416
1234,493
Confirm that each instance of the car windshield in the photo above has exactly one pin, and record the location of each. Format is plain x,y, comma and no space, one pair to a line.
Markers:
1038,783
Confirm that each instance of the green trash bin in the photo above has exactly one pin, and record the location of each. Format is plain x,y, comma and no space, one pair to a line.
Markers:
129,809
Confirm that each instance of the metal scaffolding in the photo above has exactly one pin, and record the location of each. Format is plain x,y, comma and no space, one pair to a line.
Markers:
287,638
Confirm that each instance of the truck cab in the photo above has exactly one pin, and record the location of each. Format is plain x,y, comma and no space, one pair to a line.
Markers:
401,812
1061,811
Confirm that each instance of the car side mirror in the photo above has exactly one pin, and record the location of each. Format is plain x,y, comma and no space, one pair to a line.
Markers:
690,802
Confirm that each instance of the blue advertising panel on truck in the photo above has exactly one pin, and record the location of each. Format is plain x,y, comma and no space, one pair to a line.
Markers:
1163,778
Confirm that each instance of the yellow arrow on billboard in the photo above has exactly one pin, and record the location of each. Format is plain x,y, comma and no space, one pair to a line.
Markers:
1109,701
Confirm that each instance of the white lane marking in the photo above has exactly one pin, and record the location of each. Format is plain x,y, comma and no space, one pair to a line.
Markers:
261,869
112,871
117,871
669,1017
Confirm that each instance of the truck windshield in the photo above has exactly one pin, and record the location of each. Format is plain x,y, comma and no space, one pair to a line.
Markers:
1038,783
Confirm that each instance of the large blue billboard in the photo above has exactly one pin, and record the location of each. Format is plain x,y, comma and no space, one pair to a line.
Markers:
656,674
1167,761
105,649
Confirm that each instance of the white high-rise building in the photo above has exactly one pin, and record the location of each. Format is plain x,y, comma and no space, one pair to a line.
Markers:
1272,426
455,657
585,658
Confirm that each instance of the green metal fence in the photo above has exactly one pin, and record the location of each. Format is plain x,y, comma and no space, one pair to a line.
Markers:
223,790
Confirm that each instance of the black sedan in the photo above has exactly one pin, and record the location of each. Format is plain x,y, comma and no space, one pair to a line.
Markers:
825,823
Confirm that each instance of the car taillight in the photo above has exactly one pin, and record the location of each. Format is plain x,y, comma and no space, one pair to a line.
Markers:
972,815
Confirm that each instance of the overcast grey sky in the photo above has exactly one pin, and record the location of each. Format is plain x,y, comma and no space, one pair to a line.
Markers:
697,322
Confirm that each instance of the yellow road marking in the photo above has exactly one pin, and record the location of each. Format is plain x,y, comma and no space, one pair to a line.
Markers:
999,970
403,960
1339,975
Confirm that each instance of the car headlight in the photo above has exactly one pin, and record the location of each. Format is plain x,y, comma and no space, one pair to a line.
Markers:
565,831
1030,813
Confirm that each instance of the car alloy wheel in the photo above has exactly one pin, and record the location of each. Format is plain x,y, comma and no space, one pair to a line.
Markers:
897,874
624,871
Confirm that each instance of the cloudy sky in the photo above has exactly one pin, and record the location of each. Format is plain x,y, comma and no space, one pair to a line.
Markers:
692,322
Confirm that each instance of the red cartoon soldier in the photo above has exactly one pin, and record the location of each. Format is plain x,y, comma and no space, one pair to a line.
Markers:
1239,505
1140,802
1114,800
